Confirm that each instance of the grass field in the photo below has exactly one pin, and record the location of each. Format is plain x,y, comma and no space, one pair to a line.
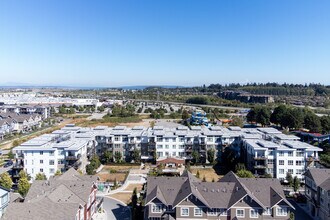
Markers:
209,174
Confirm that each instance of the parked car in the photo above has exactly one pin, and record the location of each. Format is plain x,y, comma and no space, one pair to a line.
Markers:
8,164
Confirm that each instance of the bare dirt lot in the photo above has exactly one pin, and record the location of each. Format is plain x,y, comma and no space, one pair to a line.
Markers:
209,174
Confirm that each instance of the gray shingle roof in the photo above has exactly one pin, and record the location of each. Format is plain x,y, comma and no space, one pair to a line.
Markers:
56,198
223,194
318,175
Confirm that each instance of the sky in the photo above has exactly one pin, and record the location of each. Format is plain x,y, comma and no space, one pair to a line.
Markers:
163,42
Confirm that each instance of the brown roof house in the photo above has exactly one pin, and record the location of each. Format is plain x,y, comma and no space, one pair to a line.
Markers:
69,196
187,197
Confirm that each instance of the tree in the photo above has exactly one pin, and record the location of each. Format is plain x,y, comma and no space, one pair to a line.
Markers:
325,124
5,180
15,143
185,115
23,186
115,184
289,179
107,157
90,169
198,174
58,173
251,117
240,166
195,156
237,121
211,155
312,122
134,199
245,174
100,108
11,155
22,174
278,115
263,116
296,184
136,155
41,176
118,157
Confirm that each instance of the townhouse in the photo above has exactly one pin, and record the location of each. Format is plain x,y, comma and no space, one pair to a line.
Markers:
186,197
68,196
62,149
317,191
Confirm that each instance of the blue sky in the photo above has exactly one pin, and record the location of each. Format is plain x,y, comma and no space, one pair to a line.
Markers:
164,42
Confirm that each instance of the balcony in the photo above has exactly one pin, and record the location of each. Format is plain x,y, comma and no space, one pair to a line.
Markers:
260,157
18,166
259,167
72,157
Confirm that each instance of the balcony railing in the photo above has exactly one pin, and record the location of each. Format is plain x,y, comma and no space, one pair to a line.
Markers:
260,157
259,167
71,157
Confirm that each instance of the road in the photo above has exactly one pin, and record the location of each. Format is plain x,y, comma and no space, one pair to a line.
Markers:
116,210
195,105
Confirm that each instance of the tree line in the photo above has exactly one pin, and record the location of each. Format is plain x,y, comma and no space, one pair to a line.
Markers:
289,117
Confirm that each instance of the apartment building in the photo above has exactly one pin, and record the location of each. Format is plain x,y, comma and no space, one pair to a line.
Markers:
68,196
317,191
278,154
69,147
186,197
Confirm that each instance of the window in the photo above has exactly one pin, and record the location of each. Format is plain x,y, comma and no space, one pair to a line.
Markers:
173,154
156,208
300,153
184,211
290,171
159,146
254,213
290,154
4,199
299,171
223,212
51,170
167,139
41,161
174,146
210,139
298,163
290,162
281,171
41,153
281,212
240,213
41,170
167,146
268,211
212,212
281,162
51,153
270,161
281,154
198,212
117,138
159,139
51,162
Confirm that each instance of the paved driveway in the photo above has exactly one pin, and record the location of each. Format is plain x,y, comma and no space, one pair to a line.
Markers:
116,210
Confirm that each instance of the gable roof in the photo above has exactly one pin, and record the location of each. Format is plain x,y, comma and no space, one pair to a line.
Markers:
318,175
223,194
57,198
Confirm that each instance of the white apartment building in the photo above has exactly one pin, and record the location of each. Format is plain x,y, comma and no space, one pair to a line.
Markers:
265,150
60,150
279,154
